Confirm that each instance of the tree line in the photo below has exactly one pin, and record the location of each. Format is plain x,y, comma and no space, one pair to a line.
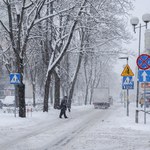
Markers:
62,47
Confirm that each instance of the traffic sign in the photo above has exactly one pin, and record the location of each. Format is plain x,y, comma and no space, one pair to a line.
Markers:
145,85
127,71
15,78
143,61
127,82
144,75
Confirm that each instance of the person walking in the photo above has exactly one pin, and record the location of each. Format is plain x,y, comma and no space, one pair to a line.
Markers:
141,102
63,107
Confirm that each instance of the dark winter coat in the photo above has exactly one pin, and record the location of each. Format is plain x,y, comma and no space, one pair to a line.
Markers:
63,105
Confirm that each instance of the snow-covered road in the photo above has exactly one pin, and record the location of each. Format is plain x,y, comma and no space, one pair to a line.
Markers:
86,129
50,134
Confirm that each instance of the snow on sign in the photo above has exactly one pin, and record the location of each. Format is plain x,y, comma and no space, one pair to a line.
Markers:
127,71
14,78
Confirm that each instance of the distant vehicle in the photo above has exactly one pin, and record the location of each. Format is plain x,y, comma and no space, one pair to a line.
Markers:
101,98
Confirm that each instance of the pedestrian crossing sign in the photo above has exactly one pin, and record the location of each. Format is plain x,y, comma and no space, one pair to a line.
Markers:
15,78
127,82
127,71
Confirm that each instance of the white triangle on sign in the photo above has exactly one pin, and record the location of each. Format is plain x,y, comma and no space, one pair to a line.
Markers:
15,79
127,81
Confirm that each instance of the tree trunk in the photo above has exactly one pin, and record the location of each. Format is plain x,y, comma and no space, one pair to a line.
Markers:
46,93
74,80
91,95
86,95
57,91
34,103
51,95
77,69
21,94
21,88
16,96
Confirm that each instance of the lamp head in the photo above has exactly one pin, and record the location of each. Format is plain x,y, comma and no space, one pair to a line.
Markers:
134,21
146,18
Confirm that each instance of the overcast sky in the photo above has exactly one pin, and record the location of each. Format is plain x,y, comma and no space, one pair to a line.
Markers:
141,7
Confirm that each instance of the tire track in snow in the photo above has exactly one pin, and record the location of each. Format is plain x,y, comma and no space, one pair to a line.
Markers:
70,135
17,142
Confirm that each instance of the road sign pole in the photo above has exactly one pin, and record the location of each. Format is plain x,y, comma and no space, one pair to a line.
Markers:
144,105
127,102
137,100
127,97
143,63
124,99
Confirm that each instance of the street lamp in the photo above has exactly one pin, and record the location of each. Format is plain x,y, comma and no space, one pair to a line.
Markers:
134,21
124,58
127,88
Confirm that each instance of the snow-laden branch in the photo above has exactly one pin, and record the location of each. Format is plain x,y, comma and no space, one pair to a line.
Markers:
50,62
17,9
105,42
63,37
96,45
52,15
47,3
53,64
37,9
28,5
7,30
5,2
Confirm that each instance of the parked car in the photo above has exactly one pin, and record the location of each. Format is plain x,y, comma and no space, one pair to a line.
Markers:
9,101
8,104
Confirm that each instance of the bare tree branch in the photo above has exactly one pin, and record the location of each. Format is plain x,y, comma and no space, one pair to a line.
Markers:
7,30
52,15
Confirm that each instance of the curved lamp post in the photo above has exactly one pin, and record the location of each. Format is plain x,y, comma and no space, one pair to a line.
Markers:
135,21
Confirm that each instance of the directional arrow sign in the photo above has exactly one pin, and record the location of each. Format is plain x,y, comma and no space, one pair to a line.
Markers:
144,75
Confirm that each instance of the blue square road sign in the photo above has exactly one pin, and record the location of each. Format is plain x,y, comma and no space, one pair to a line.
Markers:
15,78
127,82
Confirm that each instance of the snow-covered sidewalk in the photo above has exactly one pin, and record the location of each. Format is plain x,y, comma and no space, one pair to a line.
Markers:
116,132
86,129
